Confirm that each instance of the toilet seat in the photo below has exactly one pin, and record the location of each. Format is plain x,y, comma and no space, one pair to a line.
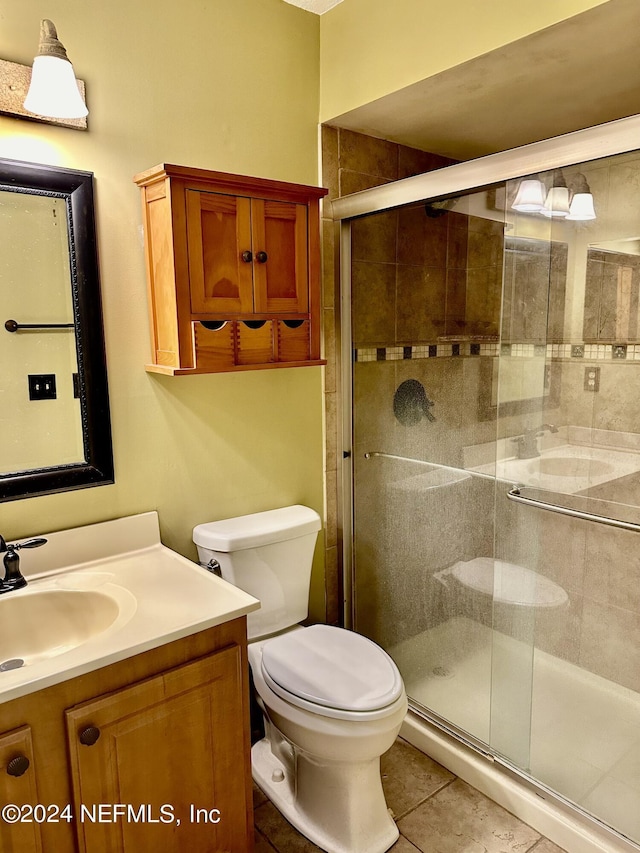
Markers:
332,672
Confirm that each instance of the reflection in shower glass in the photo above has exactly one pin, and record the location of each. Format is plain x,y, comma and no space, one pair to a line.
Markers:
515,625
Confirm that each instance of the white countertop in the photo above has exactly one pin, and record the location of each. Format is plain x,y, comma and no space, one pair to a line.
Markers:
161,596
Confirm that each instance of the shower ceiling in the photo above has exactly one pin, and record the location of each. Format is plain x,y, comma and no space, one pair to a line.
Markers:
578,73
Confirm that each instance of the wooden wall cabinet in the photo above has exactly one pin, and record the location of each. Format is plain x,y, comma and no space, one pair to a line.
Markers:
233,266
165,732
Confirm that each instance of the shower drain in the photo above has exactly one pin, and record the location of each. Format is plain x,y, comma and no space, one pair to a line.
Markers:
442,672
12,663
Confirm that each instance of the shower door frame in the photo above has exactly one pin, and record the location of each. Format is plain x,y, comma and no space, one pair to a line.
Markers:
600,141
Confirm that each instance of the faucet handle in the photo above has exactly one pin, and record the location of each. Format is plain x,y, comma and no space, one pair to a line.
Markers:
30,543
15,546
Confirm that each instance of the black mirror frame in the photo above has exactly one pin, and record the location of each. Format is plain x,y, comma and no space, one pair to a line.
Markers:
76,188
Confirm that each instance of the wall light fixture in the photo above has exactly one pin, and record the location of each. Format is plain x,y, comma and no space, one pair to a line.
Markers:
54,95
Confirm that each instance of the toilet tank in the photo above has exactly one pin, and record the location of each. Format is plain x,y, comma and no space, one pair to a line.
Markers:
269,555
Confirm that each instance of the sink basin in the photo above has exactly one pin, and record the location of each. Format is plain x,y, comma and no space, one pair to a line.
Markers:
100,594
568,466
42,624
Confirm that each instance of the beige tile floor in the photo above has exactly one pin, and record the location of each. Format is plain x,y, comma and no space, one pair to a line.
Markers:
436,813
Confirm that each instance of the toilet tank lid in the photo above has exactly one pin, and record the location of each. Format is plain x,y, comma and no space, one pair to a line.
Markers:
259,528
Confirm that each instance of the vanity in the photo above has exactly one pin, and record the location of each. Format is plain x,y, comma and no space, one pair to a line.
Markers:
124,699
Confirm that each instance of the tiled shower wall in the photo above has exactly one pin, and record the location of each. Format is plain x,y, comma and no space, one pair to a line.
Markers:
350,162
417,277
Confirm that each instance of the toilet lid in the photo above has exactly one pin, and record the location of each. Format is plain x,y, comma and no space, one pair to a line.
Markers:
331,667
508,583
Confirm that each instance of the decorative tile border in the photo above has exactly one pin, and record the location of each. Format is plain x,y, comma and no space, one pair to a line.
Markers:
420,351
588,352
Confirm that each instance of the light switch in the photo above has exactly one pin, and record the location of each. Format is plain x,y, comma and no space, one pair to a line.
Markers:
42,386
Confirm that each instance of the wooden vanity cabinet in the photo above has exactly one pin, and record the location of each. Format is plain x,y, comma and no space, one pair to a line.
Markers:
233,266
165,732
170,746
18,787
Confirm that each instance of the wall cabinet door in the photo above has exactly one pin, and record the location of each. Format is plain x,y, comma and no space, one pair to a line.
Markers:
280,275
172,748
18,787
220,258
246,255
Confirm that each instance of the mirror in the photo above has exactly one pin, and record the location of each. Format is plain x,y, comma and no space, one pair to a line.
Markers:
54,417
612,286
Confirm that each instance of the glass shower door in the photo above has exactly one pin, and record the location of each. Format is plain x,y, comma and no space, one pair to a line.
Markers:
525,393
496,479
585,700
426,305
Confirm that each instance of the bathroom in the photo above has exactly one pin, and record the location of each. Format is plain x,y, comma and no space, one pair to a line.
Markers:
263,432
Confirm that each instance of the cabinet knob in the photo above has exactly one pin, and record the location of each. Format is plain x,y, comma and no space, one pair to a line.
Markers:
89,735
18,765
262,257
247,257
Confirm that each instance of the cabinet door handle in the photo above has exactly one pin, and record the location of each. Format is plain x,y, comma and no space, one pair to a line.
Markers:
247,257
89,735
18,765
262,257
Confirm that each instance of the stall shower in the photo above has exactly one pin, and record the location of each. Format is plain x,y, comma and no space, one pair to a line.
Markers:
494,395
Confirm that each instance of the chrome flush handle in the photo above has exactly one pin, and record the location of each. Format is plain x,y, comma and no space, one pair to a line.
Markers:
212,566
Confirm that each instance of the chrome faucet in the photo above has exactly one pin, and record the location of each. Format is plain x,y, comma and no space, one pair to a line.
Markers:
527,443
13,577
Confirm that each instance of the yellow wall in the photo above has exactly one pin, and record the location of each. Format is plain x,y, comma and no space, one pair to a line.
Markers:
370,48
231,86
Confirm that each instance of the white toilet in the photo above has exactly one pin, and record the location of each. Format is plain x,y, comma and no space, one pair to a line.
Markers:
333,701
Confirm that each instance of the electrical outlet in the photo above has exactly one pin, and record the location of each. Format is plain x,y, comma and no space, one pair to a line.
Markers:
592,378
42,386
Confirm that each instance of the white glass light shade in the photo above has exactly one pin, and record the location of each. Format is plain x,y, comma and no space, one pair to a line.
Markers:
530,196
581,208
53,91
557,203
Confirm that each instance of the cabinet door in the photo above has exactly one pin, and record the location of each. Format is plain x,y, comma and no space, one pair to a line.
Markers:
219,235
18,787
172,749
280,268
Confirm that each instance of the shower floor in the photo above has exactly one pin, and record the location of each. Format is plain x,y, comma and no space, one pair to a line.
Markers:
574,731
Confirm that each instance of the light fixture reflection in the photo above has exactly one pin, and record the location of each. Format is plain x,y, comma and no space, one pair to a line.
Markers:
530,196
53,91
572,203
581,208
556,204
